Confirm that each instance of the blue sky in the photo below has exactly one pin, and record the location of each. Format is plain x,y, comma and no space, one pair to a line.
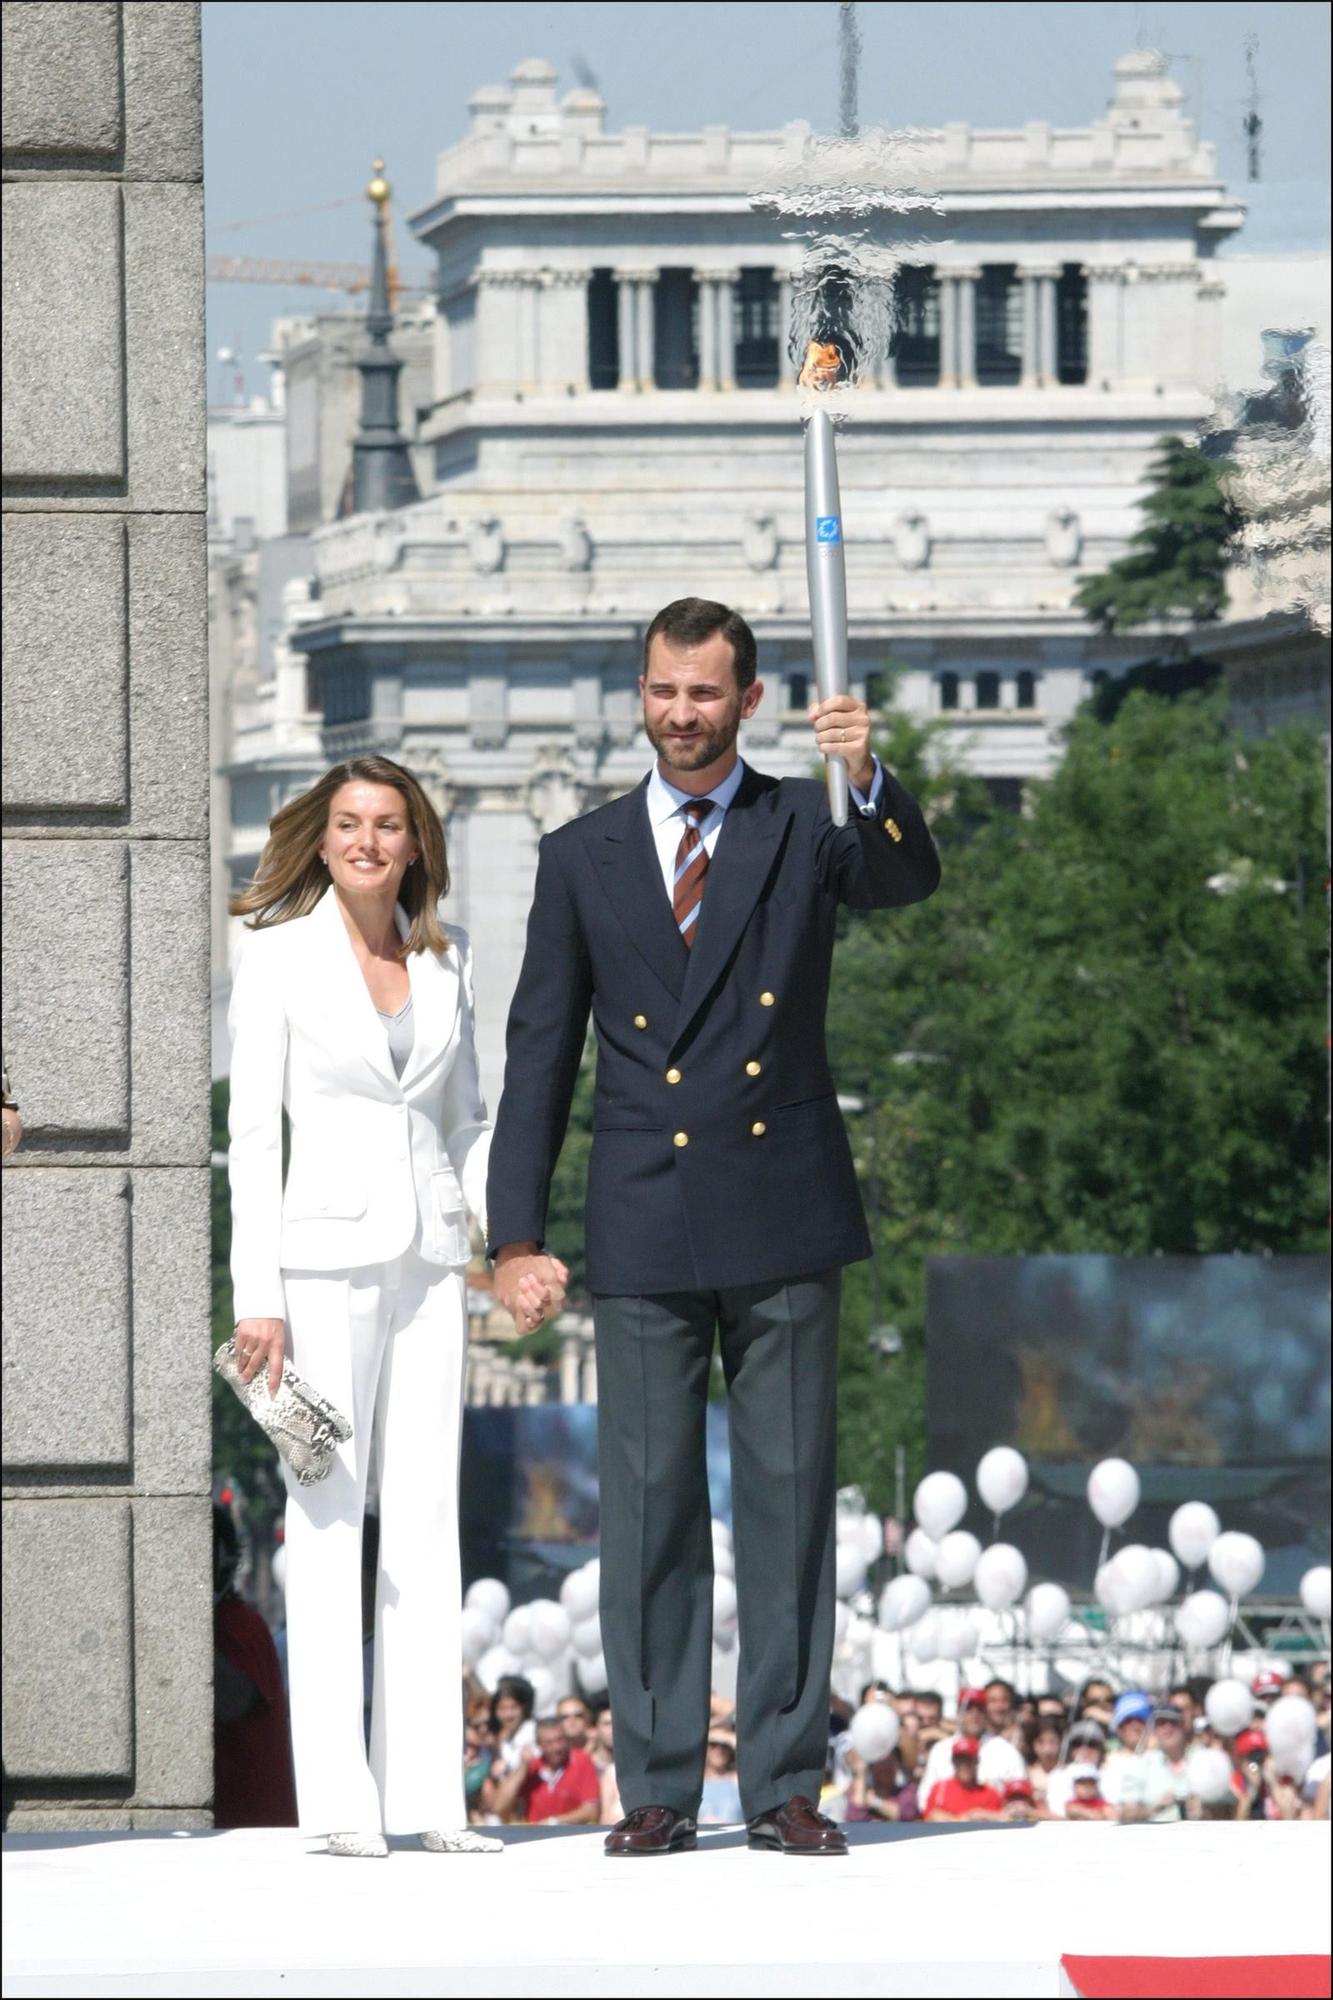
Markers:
298,98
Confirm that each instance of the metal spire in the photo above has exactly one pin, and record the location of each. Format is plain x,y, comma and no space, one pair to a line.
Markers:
382,475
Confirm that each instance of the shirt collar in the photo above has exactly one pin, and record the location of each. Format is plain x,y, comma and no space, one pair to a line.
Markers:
665,799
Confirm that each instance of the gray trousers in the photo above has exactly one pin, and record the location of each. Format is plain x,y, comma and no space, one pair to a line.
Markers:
779,1354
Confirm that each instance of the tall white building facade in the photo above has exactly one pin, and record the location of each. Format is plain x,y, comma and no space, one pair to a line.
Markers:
614,423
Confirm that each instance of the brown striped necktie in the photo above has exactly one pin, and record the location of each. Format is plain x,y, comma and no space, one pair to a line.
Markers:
687,892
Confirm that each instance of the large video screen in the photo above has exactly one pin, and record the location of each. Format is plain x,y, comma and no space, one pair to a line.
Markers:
1209,1374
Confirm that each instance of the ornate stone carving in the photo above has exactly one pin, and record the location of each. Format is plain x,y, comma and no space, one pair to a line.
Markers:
553,794
759,541
1064,537
911,540
427,763
390,542
486,545
575,544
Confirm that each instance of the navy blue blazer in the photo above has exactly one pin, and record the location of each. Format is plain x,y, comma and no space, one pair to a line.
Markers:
719,1154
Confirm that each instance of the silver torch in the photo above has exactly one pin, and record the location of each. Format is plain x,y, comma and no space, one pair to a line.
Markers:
826,577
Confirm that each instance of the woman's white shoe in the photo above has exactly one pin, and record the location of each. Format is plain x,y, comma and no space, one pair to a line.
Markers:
464,1841
366,1846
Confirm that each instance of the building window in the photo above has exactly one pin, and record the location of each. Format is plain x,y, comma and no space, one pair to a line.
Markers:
757,332
675,329
1026,685
346,691
798,692
948,691
999,326
988,690
312,690
1006,794
603,332
916,338
1071,325
877,688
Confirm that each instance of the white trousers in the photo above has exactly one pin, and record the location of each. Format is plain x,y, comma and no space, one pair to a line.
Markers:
388,1345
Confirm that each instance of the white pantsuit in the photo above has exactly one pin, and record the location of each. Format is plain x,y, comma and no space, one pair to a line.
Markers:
363,1254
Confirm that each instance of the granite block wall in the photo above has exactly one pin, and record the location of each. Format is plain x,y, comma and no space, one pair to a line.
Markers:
107,1714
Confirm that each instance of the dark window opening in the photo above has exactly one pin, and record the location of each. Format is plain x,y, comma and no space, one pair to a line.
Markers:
988,690
999,326
603,332
832,301
877,689
798,691
1071,325
675,330
1026,684
1006,794
948,691
757,330
312,690
346,690
915,346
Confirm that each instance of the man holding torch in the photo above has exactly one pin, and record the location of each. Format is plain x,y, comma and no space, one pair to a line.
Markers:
694,919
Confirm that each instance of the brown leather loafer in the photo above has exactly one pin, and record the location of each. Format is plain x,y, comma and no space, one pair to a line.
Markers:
798,1827
653,1830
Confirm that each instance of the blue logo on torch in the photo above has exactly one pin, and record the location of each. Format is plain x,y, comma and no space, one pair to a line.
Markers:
828,528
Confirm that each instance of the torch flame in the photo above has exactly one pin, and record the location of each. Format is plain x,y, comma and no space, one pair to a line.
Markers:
821,367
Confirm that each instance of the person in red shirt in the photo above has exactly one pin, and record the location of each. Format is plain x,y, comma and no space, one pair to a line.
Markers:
961,1796
1086,1801
252,1745
555,1784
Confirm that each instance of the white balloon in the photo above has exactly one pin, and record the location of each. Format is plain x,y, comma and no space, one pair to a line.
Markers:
724,1603
542,1682
903,1601
919,1553
1168,1575
1000,1577
1002,1478
591,1675
874,1731
1208,1775
1103,1588
851,1569
1237,1563
724,1563
1133,1578
549,1629
1192,1531
871,1537
721,1532
1113,1491
842,1618
1203,1619
518,1630
1290,1723
939,1503
957,1559
1294,1759
956,1637
488,1594
587,1638
1315,1592
1047,1609
923,1639
478,1634
277,1567
1229,1706
494,1664
578,1593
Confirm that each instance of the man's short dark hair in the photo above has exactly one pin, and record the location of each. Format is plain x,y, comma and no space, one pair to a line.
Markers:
688,621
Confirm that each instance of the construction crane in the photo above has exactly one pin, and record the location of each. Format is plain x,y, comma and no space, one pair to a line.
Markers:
350,278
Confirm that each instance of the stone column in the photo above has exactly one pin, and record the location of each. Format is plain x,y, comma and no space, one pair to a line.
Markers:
1047,364
571,1348
565,349
707,329
966,282
644,367
948,331
726,329
589,1366
108,1658
1031,334
626,316
1105,341
788,368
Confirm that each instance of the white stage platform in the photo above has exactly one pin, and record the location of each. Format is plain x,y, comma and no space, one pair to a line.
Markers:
930,1911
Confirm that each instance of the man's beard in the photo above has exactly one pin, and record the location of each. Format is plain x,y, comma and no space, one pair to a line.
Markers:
697,751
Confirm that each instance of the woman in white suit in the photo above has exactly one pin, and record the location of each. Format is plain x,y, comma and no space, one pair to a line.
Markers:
352,1007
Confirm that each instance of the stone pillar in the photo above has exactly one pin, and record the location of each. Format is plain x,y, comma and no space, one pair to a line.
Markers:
565,348
625,324
707,329
1031,336
966,282
108,1712
571,1347
948,331
726,330
1105,338
788,367
644,368
1047,361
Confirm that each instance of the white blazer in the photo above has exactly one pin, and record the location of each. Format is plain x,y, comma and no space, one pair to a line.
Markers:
376,1164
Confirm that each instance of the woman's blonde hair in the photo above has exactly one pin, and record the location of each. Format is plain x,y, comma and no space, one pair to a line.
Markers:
291,878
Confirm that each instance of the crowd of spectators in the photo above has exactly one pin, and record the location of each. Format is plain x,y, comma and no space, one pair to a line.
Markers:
1096,1755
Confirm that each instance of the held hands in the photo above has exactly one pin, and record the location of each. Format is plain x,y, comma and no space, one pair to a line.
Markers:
259,1344
529,1284
842,729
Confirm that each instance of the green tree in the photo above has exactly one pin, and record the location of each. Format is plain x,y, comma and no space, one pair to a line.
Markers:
1176,566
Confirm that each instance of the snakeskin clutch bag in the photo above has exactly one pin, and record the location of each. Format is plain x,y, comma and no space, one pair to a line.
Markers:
305,1428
